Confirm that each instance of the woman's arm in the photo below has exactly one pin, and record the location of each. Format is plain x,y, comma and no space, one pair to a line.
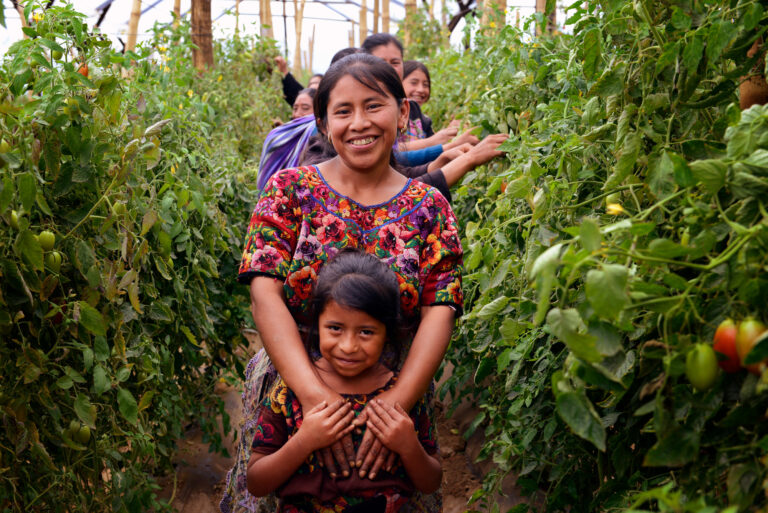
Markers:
395,429
322,426
424,357
282,342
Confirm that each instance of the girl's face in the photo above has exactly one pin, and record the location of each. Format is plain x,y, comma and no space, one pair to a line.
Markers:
302,106
416,87
362,123
351,341
391,54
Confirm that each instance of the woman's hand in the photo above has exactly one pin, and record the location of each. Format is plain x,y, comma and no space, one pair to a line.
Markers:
324,425
466,137
372,455
486,150
281,64
447,133
447,156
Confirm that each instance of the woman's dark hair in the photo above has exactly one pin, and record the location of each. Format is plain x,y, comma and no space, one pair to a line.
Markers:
411,66
370,71
318,75
343,53
360,281
380,39
309,91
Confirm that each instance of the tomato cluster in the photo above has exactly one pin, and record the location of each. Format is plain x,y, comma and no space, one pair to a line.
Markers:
735,341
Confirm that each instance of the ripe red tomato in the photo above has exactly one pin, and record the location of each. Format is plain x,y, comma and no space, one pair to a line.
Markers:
725,344
701,366
83,69
749,331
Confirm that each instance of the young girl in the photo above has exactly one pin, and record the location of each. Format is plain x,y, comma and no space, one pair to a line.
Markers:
417,82
355,307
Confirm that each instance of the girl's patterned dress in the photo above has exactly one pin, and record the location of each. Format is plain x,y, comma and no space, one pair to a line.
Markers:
310,489
298,224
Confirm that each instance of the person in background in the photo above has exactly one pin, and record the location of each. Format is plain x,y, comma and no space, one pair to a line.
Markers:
314,82
390,49
416,82
303,104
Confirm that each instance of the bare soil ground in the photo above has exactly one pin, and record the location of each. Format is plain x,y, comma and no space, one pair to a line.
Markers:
200,474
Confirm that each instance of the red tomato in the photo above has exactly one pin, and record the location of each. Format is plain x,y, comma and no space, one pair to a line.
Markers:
749,331
725,344
83,69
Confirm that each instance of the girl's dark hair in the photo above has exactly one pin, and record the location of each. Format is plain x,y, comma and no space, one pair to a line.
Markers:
380,39
411,66
343,53
310,91
318,75
360,281
370,71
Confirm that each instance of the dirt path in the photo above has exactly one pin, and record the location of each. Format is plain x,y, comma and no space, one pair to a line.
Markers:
200,475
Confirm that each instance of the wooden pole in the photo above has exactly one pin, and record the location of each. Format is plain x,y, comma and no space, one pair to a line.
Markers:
376,10
385,16
410,11
352,35
133,26
298,9
202,56
363,20
265,13
311,48
176,13
541,6
237,16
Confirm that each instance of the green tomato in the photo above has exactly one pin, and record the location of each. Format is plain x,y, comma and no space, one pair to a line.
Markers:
56,55
53,261
4,146
74,426
164,244
701,366
47,239
14,221
118,209
614,197
83,435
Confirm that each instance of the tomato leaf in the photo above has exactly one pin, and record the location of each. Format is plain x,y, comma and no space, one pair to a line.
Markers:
606,290
85,410
580,415
126,403
90,318
568,327
678,447
101,382
589,234
28,247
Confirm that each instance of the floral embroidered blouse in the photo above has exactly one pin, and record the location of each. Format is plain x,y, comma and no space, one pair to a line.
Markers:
310,489
300,222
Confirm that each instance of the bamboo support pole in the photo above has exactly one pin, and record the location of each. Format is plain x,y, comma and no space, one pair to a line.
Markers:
176,13
298,9
311,48
363,20
385,16
133,26
410,11
541,6
202,36
237,16
265,15
376,12
352,35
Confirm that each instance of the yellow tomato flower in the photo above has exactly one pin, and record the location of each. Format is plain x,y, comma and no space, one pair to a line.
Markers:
190,93
614,209
173,169
166,69
492,25
181,106
37,17
220,78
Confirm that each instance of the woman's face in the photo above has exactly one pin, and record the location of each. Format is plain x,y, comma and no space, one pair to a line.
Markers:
362,123
416,87
391,54
302,106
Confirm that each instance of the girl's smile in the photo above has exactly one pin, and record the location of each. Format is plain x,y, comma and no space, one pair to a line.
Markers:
416,87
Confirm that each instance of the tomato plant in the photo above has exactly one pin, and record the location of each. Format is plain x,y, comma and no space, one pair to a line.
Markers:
110,346
631,225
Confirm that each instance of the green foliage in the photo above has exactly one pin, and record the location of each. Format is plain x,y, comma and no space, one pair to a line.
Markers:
627,221
144,171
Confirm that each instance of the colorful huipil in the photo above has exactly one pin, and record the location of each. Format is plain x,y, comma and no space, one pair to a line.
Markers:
298,224
311,489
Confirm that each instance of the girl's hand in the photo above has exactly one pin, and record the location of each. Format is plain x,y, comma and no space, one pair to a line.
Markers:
447,133
324,425
448,155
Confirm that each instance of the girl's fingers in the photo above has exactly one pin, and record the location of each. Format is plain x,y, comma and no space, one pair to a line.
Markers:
360,420
400,410
340,412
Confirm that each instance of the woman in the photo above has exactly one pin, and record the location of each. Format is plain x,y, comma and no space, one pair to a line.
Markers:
356,199
416,82
303,104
